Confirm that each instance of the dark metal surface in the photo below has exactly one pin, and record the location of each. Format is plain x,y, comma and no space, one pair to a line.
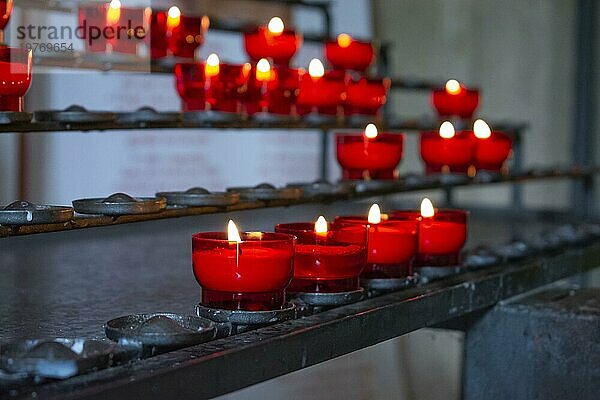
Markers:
330,299
9,117
200,197
267,192
26,213
120,204
74,115
392,284
242,317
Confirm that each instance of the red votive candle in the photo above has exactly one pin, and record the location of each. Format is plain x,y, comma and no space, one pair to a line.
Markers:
346,53
492,149
366,96
455,100
327,262
446,151
175,33
272,41
392,244
159,42
320,91
369,155
6,7
250,275
15,77
272,90
212,85
442,234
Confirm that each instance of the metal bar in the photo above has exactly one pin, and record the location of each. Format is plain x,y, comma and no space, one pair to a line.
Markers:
84,222
585,102
229,364
325,140
517,161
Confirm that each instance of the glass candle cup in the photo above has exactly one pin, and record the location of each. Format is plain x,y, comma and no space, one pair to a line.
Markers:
276,95
6,7
490,154
328,262
461,104
281,48
323,95
440,154
377,158
354,55
441,237
392,245
15,77
186,36
251,275
222,89
366,96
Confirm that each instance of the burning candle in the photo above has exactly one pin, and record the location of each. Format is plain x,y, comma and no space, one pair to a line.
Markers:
327,259
445,150
392,244
442,234
262,82
273,41
455,100
366,96
15,77
346,53
186,33
321,91
370,155
243,272
492,149
212,85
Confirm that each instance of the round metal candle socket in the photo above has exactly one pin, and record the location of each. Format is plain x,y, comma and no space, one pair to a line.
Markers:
270,118
11,117
148,114
208,117
62,358
377,185
266,191
26,213
120,204
242,317
324,188
74,114
511,251
200,197
429,274
416,180
454,179
330,299
389,284
161,329
481,257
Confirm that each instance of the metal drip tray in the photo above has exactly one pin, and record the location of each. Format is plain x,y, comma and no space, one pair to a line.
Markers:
200,197
330,299
324,188
62,358
148,115
429,274
26,213
389,284
512,251
481,257
416,180
377,185
10,117
242,317
208,117
266,191
161,330
120,204
74,114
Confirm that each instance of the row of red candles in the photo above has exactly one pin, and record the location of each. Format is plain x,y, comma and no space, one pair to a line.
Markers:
253,270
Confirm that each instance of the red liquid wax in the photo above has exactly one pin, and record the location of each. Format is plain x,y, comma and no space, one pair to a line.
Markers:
356,56
15,77
277,95
377,157
325,94
455,153
462,104
492,153
260,43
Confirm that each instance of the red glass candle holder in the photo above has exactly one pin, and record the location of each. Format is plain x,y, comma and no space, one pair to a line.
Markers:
281,48
446,154
491,153
188,35
276,95
366,96
222,91
329,262
377,158
159,41
352,55
461,104
441,237
15,77
6,7
392,245
251,275
323,95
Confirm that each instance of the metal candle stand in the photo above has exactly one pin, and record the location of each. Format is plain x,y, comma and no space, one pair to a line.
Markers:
200,197
120,204
243,320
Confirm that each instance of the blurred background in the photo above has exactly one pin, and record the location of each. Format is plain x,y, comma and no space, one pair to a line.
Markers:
523,55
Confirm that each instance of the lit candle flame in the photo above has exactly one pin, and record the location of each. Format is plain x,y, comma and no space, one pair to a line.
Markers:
211,67
232,233
114,12
321,226
447,130
374,214
174,17
263,70
276,26
371,131
427,210
315,68
344,40
453,86
481,129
